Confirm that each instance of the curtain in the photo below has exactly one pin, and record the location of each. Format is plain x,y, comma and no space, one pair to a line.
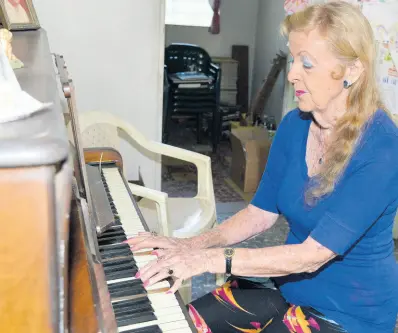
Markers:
214,28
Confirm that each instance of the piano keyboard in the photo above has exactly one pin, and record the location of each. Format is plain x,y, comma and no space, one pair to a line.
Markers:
137,309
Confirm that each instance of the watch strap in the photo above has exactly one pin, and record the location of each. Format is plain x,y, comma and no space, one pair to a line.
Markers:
228,254
228,265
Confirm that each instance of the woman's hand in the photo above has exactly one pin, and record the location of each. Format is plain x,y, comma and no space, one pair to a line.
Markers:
176,263
148,240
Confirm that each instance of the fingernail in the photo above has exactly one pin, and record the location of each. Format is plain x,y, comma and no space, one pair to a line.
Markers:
155,253
168,292
137,275
132,247
126,241
146,283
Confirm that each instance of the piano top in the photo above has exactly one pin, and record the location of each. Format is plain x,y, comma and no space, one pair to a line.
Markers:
40,139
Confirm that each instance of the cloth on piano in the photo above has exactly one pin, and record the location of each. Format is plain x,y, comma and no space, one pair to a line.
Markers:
14,102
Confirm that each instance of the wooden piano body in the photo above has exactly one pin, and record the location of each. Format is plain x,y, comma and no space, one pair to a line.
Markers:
52,276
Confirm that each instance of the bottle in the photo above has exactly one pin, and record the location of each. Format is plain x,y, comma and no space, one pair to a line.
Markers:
271,126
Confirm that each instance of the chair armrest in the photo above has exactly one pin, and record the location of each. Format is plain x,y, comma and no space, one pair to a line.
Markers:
160,198
148,193
202,163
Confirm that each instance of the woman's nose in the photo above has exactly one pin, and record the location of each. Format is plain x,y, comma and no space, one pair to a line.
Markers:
293,74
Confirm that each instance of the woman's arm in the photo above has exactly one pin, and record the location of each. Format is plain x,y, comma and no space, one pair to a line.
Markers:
241,226
273,261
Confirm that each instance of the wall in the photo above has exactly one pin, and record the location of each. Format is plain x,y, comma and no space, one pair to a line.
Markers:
115,57
238,26
268,43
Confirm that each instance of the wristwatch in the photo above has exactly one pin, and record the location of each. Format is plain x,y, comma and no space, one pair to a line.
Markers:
228,254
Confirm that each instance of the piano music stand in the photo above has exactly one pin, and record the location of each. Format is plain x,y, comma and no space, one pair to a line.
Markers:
80,169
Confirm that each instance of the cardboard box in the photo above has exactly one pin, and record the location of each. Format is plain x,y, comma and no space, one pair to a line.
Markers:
250,148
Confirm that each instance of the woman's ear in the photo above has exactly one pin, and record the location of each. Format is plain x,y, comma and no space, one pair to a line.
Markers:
354,71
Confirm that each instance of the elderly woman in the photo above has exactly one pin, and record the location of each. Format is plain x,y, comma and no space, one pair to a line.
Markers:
332,173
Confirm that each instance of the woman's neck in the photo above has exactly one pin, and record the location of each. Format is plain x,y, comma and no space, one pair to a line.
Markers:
328,116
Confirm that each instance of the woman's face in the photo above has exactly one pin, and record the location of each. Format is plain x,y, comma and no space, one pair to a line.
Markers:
311,73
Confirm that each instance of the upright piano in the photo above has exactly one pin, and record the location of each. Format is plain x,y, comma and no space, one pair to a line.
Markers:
65,212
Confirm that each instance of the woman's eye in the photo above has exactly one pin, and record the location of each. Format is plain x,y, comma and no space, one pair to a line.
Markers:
307,64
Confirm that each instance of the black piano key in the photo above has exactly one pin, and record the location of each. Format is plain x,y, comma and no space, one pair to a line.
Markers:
126,292
111,240
117,262
136,305
116,227
134,312
113,232
119,269
149,329
116,253
126,288
125,284
110,266
113,247
114,275
131,320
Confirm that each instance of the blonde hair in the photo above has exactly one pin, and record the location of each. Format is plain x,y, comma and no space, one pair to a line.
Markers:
350,37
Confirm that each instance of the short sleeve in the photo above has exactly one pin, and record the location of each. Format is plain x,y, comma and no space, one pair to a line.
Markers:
266,194
359,199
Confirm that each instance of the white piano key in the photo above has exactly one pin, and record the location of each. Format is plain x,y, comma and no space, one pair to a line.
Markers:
168,322
141,251
163,300
172,326
145,259
158,285
166,307
172,310
182,330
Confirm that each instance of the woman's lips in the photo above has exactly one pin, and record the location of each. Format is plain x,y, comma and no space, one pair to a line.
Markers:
300,92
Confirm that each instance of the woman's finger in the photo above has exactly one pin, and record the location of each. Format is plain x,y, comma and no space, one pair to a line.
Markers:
159,253
163,274
149,271
145,242
176,285
161,264
164,254
145,268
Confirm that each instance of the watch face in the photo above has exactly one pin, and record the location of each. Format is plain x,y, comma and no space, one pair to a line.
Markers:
229,252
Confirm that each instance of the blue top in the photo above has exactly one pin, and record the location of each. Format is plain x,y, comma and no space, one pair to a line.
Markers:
359,288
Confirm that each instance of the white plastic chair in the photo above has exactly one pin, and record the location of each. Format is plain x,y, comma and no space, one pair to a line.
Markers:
178,217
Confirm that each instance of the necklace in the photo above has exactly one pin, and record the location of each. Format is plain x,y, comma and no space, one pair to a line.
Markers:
320,160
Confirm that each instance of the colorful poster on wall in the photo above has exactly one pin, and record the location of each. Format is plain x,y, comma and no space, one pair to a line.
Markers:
384,20
292,6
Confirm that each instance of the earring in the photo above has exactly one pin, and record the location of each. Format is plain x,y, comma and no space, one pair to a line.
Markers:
347,84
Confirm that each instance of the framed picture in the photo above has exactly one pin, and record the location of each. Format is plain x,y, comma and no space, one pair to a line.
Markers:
18,15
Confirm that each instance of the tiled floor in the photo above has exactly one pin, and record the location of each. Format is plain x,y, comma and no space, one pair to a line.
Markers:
179,178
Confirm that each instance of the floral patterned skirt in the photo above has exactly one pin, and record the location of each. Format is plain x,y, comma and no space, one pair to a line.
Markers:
245,306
